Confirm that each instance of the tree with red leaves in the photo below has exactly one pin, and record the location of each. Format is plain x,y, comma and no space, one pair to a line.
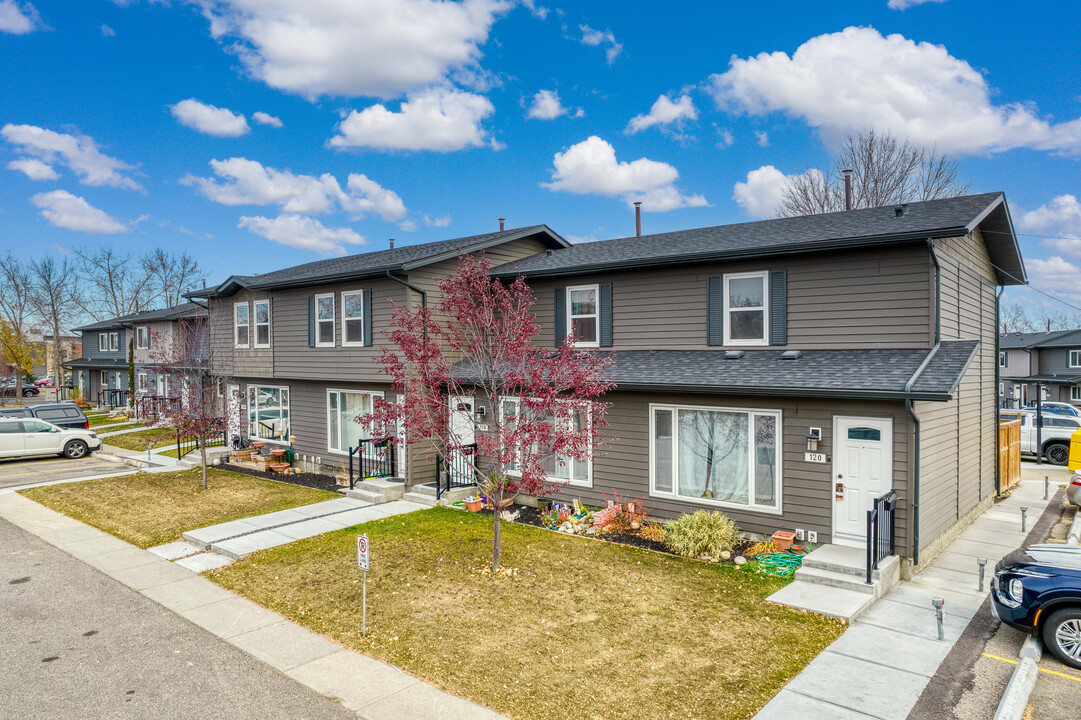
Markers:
183,358
479,343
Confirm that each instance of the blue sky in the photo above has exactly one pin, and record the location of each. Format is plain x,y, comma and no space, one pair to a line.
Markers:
259,134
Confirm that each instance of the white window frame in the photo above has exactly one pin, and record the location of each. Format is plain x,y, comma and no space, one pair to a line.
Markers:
517,472
254,318
1075,358
104,379
142,384
237,325
338,391
142,337
596,314
287,406
728,277
1002,389
1003,359
103,342
1075,393
333,320
709,502
114,342
346,342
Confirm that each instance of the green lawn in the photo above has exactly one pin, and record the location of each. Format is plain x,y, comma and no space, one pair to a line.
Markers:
157,437
151,509
96,420
585,629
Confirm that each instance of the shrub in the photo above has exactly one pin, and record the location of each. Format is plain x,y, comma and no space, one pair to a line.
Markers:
701,533
653,531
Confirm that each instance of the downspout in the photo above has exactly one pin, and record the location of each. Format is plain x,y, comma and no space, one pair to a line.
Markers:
998,381
912,411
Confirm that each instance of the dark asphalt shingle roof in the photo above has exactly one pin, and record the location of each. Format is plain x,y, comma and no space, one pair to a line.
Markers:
105,363
1058,338
827,373
378,262
175,312
1067,379
949,217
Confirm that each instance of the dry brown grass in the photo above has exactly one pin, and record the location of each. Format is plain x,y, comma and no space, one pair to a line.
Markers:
157,437
584,629
151,509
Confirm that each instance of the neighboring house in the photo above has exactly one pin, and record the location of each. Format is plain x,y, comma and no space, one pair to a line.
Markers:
786,372
70,349
101,375
1052,359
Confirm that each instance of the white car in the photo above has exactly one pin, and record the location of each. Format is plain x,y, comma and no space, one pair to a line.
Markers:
23,437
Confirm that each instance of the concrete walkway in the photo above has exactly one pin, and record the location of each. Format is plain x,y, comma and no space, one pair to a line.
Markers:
879,667
374,690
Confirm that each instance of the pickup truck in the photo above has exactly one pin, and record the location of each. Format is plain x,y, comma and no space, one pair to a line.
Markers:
1056,434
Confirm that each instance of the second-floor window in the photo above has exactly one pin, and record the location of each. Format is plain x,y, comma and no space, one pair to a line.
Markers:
242,325
1003,359
353,318
1075,358
109,342
262,323
745,309
582,314
142,338
324,320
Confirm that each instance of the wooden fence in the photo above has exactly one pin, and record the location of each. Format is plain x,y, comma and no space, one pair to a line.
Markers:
1009,454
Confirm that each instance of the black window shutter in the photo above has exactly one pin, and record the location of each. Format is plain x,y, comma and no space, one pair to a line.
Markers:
715,310
606,315
778,307
560,315
311,321
368,318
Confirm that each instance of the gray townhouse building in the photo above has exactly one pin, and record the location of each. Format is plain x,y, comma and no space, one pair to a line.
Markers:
785,372
1052,359
101,374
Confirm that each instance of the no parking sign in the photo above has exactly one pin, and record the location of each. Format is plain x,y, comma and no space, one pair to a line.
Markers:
362,563
362,552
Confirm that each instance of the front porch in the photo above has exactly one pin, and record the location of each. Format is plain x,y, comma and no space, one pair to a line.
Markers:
833,582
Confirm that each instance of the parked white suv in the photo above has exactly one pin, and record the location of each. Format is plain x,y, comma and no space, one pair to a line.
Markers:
24,437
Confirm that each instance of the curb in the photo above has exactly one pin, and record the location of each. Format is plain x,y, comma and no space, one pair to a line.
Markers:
131,462
1074,536
1015,699
1032,648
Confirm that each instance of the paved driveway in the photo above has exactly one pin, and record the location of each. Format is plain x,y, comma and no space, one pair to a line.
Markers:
16,473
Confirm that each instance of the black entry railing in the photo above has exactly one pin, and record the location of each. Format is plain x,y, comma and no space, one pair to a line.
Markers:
374,458
880,531
457,469
153,406
112,398
186,447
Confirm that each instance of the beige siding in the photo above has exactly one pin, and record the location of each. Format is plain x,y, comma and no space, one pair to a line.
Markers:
225,358
865,299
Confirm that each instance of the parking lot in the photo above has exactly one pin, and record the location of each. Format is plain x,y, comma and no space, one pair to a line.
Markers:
17,473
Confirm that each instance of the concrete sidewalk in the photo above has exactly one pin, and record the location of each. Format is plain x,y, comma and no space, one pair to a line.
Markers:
879,667
374,690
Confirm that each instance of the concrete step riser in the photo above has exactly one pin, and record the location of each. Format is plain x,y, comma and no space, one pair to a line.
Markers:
835,580
365,496
420,499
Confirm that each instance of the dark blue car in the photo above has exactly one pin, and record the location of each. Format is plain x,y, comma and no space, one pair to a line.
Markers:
1038,589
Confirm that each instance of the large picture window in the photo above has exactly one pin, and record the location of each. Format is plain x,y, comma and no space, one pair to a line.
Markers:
342,408
582,313
716,456
262,323
268,413
353,318
556,468
324,320
241,325
745,309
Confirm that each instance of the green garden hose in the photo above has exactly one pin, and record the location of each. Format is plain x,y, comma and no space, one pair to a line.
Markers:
782,564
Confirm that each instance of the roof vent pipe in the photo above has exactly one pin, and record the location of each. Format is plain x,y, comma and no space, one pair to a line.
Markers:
638,219
501,221
848,189
392,243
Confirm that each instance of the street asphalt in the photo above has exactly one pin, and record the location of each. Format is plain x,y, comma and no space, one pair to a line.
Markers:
74,643
50,468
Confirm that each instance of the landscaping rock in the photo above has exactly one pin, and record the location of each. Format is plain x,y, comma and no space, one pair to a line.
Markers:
705,556
591,531
725,555
740,560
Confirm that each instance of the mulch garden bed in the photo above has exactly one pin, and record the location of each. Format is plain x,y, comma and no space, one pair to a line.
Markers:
312,480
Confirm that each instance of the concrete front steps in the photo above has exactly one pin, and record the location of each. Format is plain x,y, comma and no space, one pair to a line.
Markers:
425,495
833,582
376,491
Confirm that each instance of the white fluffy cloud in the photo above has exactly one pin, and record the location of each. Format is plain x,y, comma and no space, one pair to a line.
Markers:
65,210
79,153
18,19
546,105
1055,276
905,4
301,231
591,168
34,169
1061,220
665,111
438,119
107,31
595,38
209,119
266,119
857,78
761,194
353,48
248,182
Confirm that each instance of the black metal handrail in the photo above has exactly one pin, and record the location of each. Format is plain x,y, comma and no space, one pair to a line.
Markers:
880,531
186,447
112,397
457,470
154,405
376,458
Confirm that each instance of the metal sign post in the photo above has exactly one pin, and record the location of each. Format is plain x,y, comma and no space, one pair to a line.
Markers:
362,563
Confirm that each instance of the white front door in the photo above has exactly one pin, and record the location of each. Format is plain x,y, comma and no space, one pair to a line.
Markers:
862,471
462,433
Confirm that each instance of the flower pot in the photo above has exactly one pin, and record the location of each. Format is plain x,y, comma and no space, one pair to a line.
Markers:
278,467
258,444
473,504
782,539
278,453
